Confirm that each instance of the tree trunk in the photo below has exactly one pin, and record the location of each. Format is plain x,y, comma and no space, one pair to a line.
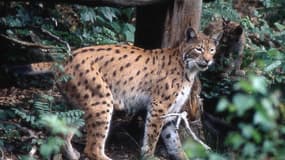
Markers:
181,15
163,25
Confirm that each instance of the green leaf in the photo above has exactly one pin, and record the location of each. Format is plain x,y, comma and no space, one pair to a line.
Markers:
274,53
222,105
235,139
108,13
55,124
88,15
26,157
217,156
263,120
244,85
129,36
193,149
250,149
243,103
259,84
3,114
272,66
116,26
268,146
249,132
279,26
268,107
1,143
52,146
128,31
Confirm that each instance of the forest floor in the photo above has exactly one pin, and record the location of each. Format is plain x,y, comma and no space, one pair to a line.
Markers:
124,141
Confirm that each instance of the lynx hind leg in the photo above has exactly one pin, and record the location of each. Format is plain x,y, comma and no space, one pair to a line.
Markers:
172,142
98,124
94,95
98,118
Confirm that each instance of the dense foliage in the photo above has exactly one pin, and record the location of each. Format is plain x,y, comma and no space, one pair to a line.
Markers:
254,105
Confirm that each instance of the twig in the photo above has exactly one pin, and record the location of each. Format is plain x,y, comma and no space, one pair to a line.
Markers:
2,154
131,138
33,151
24,129
183,116
57,38
29,44
44,32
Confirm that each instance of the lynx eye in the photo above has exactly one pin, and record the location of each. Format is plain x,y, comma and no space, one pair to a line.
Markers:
199,50
212,50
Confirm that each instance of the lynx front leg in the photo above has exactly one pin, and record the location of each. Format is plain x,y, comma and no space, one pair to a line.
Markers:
153,128
172,142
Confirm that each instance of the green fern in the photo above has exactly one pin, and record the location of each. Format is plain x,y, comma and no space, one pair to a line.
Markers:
26,117
72,117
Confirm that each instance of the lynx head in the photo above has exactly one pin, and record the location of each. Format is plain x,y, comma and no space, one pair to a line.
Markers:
232,31
198,50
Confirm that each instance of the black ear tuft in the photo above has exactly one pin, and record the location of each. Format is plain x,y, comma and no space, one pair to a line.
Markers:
217,37
238,30
190,34
225,22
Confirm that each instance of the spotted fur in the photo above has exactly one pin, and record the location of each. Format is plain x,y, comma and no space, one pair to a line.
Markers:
121,77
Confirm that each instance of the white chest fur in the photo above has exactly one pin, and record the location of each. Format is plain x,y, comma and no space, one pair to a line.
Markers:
180,100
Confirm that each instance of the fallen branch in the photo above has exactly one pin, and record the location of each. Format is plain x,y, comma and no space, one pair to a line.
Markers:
131,138
2,154
57,39
38,29
24,43
32,151
183,116
31,133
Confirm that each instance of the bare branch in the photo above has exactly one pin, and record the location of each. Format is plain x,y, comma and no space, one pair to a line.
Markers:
39,29
33,151
31,133
2,154
58,39
183,116
28,44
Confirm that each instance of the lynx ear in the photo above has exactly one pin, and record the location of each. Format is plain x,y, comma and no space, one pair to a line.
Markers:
217,37
190,34
225,22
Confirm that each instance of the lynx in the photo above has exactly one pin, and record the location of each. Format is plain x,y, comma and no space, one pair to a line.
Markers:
108,78
230,50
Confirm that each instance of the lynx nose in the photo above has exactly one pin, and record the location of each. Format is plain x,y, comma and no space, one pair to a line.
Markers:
203,64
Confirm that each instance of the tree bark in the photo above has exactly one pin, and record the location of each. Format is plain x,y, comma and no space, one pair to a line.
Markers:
182,14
